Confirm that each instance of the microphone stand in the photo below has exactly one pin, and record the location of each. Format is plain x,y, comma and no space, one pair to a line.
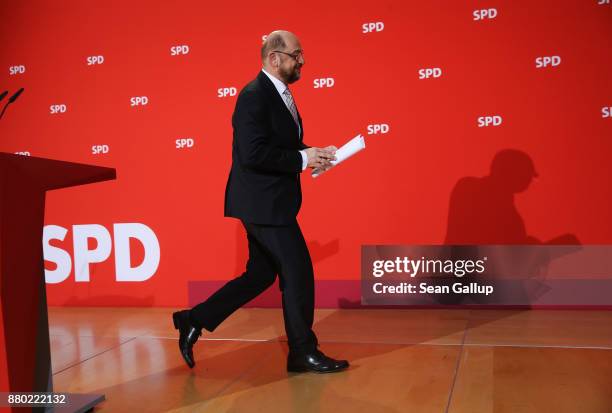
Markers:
11,100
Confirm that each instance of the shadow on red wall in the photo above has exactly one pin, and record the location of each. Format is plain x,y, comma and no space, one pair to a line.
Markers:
482,210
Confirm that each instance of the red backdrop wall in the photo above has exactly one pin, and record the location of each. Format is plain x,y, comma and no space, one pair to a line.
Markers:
397,191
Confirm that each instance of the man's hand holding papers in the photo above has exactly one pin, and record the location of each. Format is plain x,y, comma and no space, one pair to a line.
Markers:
346,151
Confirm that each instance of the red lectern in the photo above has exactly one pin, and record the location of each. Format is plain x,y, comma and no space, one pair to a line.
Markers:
25,360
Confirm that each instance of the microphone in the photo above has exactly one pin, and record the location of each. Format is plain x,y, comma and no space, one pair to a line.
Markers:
16,95
10,100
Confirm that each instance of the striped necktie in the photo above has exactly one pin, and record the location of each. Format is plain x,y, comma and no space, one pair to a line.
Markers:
291,105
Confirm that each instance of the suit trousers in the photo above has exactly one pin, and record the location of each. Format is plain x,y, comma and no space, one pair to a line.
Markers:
273,250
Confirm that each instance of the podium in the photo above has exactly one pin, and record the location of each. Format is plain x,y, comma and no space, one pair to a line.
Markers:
25,359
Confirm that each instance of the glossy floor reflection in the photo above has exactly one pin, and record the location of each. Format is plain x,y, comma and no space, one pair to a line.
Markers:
475,361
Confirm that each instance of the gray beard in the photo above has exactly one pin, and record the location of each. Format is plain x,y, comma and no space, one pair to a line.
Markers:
289,77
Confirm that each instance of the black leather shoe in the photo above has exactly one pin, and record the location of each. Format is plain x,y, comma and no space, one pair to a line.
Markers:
188,335
316,362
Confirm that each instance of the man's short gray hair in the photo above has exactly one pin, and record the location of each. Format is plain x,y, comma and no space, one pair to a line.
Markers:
274,41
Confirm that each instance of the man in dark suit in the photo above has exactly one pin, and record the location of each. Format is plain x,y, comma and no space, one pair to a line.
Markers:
263,191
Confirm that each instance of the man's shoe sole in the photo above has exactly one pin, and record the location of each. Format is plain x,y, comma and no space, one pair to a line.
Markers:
306,369
176,321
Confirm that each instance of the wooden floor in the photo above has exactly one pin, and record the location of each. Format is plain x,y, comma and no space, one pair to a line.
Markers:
458,361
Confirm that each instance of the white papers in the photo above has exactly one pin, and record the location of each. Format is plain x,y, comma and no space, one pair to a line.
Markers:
346,151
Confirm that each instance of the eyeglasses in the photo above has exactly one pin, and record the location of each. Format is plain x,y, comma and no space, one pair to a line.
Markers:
294,55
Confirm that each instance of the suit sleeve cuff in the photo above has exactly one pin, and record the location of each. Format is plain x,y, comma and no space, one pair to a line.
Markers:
304,159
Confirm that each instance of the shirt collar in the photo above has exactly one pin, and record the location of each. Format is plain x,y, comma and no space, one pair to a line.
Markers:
280,86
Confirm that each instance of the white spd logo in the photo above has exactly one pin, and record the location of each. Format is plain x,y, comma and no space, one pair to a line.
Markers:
324,82
183,143
100,149
23,153
372,27
139,101
606,112
95,60
223,92
55,109
547,61
16,70
486,121
181,49
602,2
84,256
376,128
484,14
430,73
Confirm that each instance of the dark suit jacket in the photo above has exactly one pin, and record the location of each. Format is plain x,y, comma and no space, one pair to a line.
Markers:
264,181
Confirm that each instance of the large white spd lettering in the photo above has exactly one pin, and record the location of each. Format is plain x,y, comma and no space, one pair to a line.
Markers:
84,256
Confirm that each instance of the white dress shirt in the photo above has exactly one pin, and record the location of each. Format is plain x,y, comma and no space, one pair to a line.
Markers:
280,88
